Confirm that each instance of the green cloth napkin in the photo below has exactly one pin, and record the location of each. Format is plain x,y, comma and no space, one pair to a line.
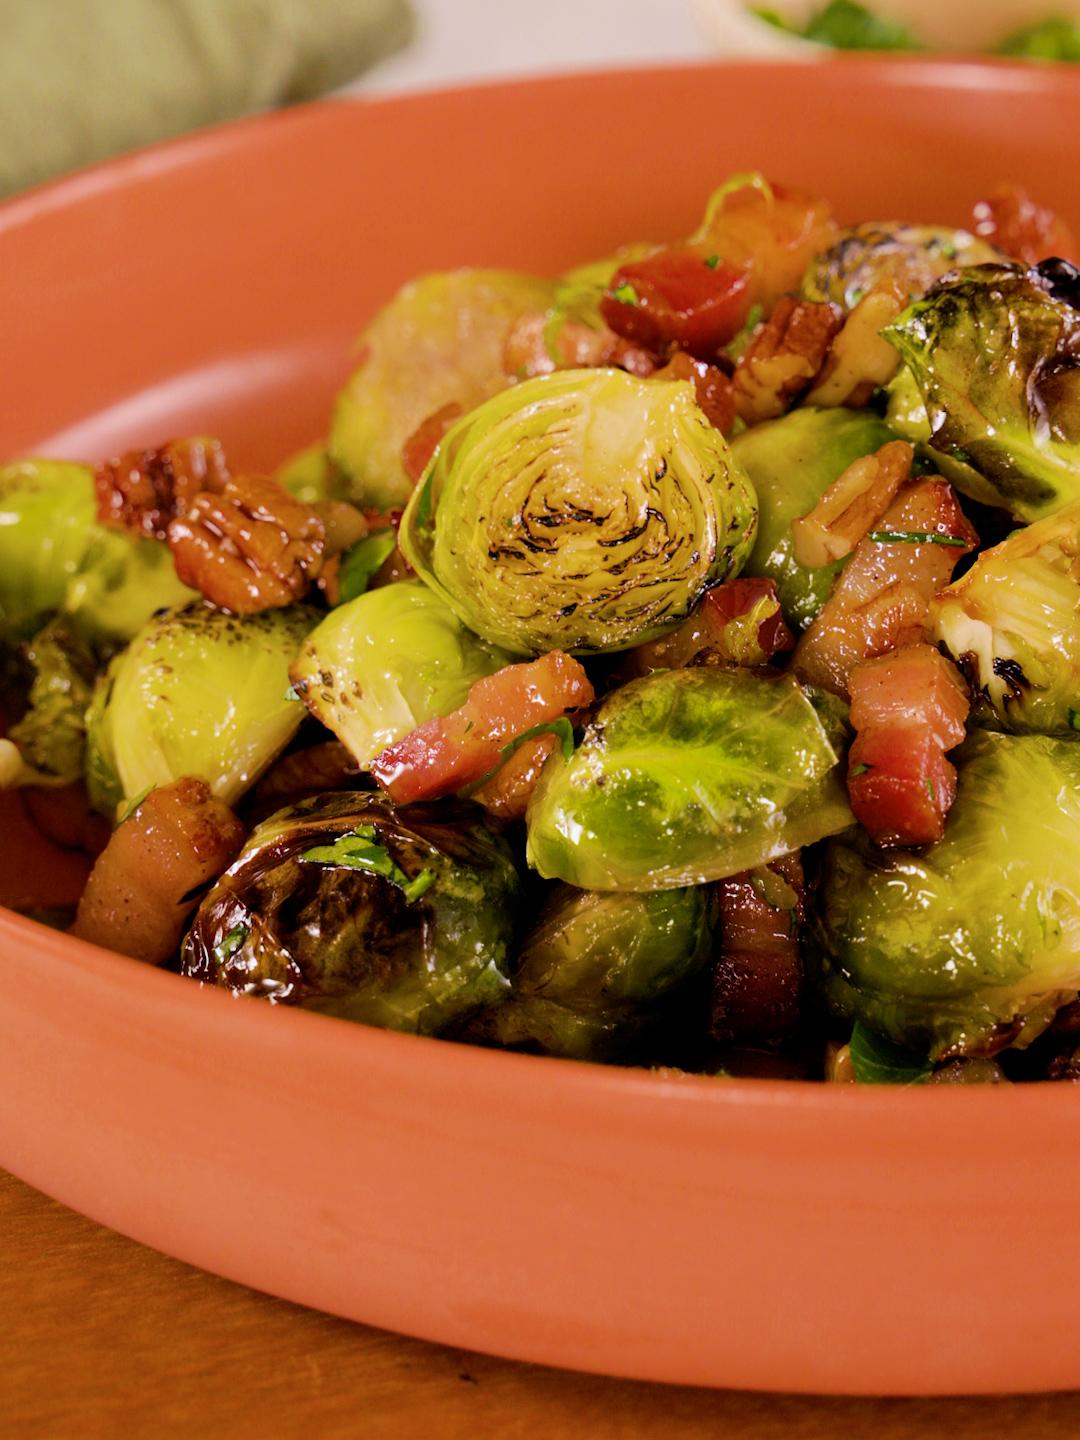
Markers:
82,79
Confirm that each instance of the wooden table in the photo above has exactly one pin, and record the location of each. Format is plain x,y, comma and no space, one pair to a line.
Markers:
101,1337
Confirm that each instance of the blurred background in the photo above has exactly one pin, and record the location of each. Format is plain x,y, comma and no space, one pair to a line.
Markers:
84,79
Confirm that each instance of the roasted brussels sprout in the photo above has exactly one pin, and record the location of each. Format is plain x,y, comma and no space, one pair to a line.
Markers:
792,462
399,918
382,664
973,943
46,522
51,735
197,692
596,969
876,253
581,511
993,351
439,341
310,475
1013,624
684,777
119,585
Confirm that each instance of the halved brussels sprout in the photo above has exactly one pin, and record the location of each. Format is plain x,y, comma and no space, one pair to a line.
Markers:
596,970
47,512
51,736
1013,624
119,585
684,777
581,511
993,352
197,692
382,664
398,918
889,252
791,463
439,341
974,942
906,415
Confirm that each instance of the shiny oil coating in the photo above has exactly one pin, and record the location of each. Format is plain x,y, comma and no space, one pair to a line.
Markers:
582,511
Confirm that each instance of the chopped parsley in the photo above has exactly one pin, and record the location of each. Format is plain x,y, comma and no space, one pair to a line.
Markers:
625,294
133,805
359,849
712,261
858,770
561,728
915,537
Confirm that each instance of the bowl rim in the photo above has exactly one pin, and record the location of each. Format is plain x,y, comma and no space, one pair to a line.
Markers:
921,1108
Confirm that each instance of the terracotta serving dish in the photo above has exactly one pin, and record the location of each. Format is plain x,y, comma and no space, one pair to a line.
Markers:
743,1233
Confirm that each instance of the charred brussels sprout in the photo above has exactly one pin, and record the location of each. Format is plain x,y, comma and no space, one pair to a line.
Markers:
684,777
438,342
382,664
46,523
197,692
399,918
50,738
581,511
974,942
792,462
595,971
1013,624
877,253
995,352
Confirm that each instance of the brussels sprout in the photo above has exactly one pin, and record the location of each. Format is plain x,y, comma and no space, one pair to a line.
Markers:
581,511
119,585
46,522
992,350
875,253
51,736
384,663
597,968
197,692
399,918
792,462
1013,624
440,340
906,416
684,777
973,942
312,476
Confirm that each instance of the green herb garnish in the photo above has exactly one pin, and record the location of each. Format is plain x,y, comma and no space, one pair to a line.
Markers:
625,294
712,261
230,943
561,728
134,804
858,770
359,849
915,537
877,1061
360,563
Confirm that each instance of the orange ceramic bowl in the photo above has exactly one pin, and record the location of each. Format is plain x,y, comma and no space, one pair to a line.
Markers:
743,1233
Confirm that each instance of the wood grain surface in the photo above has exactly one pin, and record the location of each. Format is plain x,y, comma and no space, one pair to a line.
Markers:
102,1337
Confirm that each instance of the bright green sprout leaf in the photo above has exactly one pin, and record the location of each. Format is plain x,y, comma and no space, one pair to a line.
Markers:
914,537
361,562
231,943
133,804
877,1061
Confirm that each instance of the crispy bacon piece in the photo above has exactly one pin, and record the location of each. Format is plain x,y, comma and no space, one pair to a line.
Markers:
1024,230
852,505
683,295
783,356
250,548
421,445
907,708
757,975
447,753
773,230
142,490
506,795
739,622
860,359
881,599
145,882
533,347
712,388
